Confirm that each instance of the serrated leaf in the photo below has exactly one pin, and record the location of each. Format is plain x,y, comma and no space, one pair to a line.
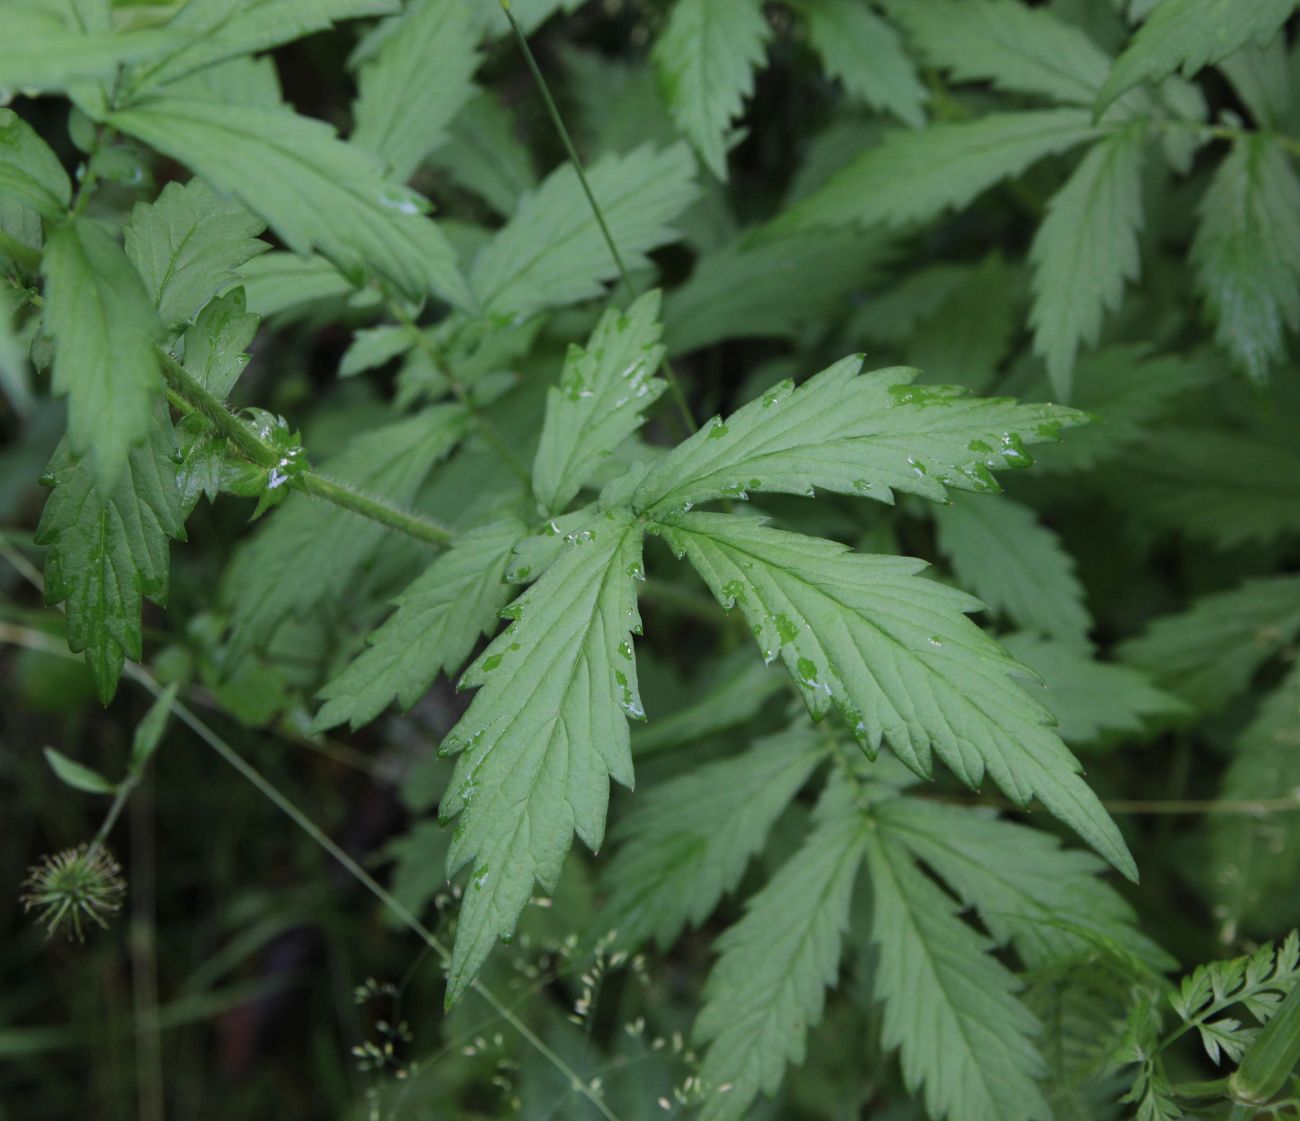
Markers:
1085,250
1247,253
439,617
1049,902
1017,48
29,170
865,53
315,191
706,58
78,775
915,176
108,550
375,346
187,245
1260,78
217,341
484,155
216,30
768,987
1209,654
426,58
1093,702
41,50
1189,34
552,251
278,282
1016,565
104,329
604,390
543,736
860,434
896,655
760,287
306,556
148,733
688,841
950,1006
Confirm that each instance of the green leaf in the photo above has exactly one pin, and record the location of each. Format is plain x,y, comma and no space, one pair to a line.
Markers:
603,392
543,735
217,30
313,190
760,287
950,1006
1189,34
439,617
896,656
148,733
107,550
78,775
426,57
1017,48
1016,565
552,251
768,988
1260,78
915,176
1209,654
865,435
217,341
41,50
1247,253
187,245
688,841
307,556
865,53
104,329
706,58
1093,702
15,377
1085,250
29,170
484,155
375,346
1255,858
279,282
1049,902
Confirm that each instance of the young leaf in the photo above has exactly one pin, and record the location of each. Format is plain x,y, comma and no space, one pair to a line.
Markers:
1085,250
915,176
438,618
1247,253
187,245
1093,702
603,391
217,341
104,329
1255,858
312,189
148,733
426,57
216,30
78,775
1209,654
706,58
768,988
373,347
1049,902
544,735
308,554
1189,34
687,842
1017,48
29,170
552,252
896,656
860,434
108,549
1016,565
864,52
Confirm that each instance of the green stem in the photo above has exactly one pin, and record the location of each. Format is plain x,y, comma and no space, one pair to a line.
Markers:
241,435
124,789
670,375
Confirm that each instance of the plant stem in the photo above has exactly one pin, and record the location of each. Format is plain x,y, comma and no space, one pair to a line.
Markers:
124,789
674,385
241,435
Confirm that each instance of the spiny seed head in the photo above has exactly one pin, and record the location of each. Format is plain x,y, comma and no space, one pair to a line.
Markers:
74,888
